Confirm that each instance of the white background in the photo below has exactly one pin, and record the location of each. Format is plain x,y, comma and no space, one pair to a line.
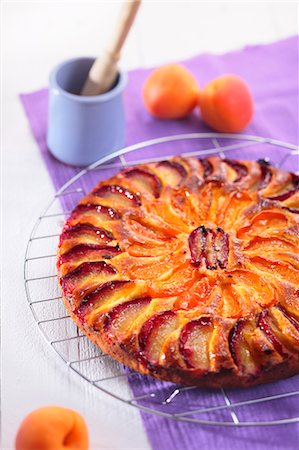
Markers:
35,37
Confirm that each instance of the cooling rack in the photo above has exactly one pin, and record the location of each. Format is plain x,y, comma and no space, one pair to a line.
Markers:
274,404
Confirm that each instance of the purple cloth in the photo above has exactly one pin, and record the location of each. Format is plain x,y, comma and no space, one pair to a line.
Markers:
272,74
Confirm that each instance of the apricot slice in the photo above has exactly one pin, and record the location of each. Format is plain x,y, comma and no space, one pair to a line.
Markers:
178,282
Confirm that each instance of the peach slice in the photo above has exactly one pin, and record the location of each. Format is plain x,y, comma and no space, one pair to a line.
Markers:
170,217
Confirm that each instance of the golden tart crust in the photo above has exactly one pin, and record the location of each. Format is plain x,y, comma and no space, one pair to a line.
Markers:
188,269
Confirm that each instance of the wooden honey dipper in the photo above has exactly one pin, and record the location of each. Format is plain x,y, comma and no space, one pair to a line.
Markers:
103,72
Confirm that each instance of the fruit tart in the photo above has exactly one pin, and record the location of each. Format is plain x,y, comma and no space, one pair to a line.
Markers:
187,270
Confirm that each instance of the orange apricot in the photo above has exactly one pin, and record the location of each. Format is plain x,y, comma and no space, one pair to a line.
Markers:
52,428
170,92
226,104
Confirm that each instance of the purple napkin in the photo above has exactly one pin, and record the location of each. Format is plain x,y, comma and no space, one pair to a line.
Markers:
272,74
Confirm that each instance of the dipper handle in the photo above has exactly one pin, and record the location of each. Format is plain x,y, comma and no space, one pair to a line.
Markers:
103,72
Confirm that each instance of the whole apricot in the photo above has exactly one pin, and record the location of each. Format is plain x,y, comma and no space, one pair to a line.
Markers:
226,104
52,428
170,92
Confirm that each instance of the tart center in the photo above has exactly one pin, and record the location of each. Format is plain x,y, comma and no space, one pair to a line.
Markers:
209,247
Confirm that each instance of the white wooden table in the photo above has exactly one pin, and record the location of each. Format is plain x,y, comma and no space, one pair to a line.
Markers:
36,36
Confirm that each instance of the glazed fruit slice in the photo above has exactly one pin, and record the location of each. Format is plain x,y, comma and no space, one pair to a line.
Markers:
85,231
154,334
118,195
266,174
85,252
103,294
102,213
85,278
187,270
89,234
285,327
119,319
207,168
194,343
144,181
171,172
289,191
209,247
240,170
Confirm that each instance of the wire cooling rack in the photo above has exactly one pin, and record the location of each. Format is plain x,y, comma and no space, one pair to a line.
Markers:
273,404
